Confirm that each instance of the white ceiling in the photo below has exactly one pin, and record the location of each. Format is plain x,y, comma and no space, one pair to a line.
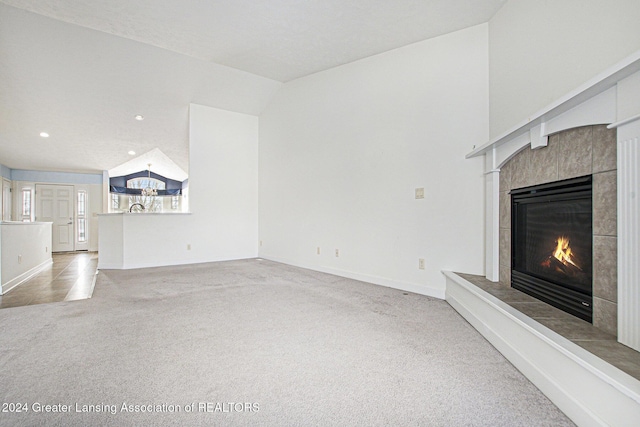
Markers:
81,69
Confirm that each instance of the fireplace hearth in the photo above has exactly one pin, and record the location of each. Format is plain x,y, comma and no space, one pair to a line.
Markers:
552,244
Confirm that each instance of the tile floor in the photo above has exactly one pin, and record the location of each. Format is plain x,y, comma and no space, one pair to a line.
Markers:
69,278
582,333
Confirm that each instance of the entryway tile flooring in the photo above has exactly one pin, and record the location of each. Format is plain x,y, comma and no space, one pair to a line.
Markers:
582,333
70,277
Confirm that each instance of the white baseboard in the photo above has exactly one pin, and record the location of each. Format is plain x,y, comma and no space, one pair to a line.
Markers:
152,264
587,389
110,266
6,287
376,280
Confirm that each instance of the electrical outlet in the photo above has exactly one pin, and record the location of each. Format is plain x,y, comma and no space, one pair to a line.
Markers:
337,253
46,249
421,263
19,259
188,246
318,250
260,242
420,193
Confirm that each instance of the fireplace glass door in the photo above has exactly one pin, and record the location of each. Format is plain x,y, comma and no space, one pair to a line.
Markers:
552,244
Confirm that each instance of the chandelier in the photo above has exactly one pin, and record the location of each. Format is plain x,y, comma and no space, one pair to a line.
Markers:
148,191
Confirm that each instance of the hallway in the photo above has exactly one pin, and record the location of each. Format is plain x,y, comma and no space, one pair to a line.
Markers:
70,277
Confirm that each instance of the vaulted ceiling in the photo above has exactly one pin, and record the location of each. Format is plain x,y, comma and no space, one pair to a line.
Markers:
81,70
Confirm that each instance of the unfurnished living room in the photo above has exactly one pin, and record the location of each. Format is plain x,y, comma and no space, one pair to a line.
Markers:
418,212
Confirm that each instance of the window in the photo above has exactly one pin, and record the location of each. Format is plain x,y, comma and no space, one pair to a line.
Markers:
82,216
26,205
82,203
150,203
82,230
115,202
146,182
175,202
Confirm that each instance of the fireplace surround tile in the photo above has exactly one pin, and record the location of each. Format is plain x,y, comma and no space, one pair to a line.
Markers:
604,149
505,247
543,163
604,197
505,210
520,169
505,275
505,177
575,153
605,269
605,315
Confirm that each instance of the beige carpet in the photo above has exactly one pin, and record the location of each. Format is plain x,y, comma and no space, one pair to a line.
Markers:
255,343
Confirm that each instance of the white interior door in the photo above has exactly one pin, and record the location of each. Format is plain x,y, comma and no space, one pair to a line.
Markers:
6,200
54,203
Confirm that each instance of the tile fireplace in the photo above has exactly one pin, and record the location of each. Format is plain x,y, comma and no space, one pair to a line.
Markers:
592,130
552,244
536,189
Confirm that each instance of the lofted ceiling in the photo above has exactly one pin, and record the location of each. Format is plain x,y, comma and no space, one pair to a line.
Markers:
82,69
154,160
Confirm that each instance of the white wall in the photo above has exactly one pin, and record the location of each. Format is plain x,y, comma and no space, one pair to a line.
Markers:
539,50
628,94
223,199
94,193
111,241
342,151
25,249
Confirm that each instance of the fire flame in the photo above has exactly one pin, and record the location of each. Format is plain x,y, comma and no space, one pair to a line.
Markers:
563,251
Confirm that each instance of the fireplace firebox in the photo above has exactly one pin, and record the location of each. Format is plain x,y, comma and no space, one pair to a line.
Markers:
552,244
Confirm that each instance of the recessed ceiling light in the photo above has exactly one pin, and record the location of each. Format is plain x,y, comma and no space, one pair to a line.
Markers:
139,117
44,134
132,153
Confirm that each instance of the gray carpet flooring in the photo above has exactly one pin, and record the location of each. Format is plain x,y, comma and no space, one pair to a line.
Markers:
255,343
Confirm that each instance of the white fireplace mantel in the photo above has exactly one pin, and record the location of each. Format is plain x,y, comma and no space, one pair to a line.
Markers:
536,127
566,373
610,98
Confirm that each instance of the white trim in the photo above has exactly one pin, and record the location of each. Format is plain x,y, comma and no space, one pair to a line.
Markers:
416,288
6,183
110,266
628,222
601,83
538,136
586,388
492,225
18,280
600,109
624,122
506,151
